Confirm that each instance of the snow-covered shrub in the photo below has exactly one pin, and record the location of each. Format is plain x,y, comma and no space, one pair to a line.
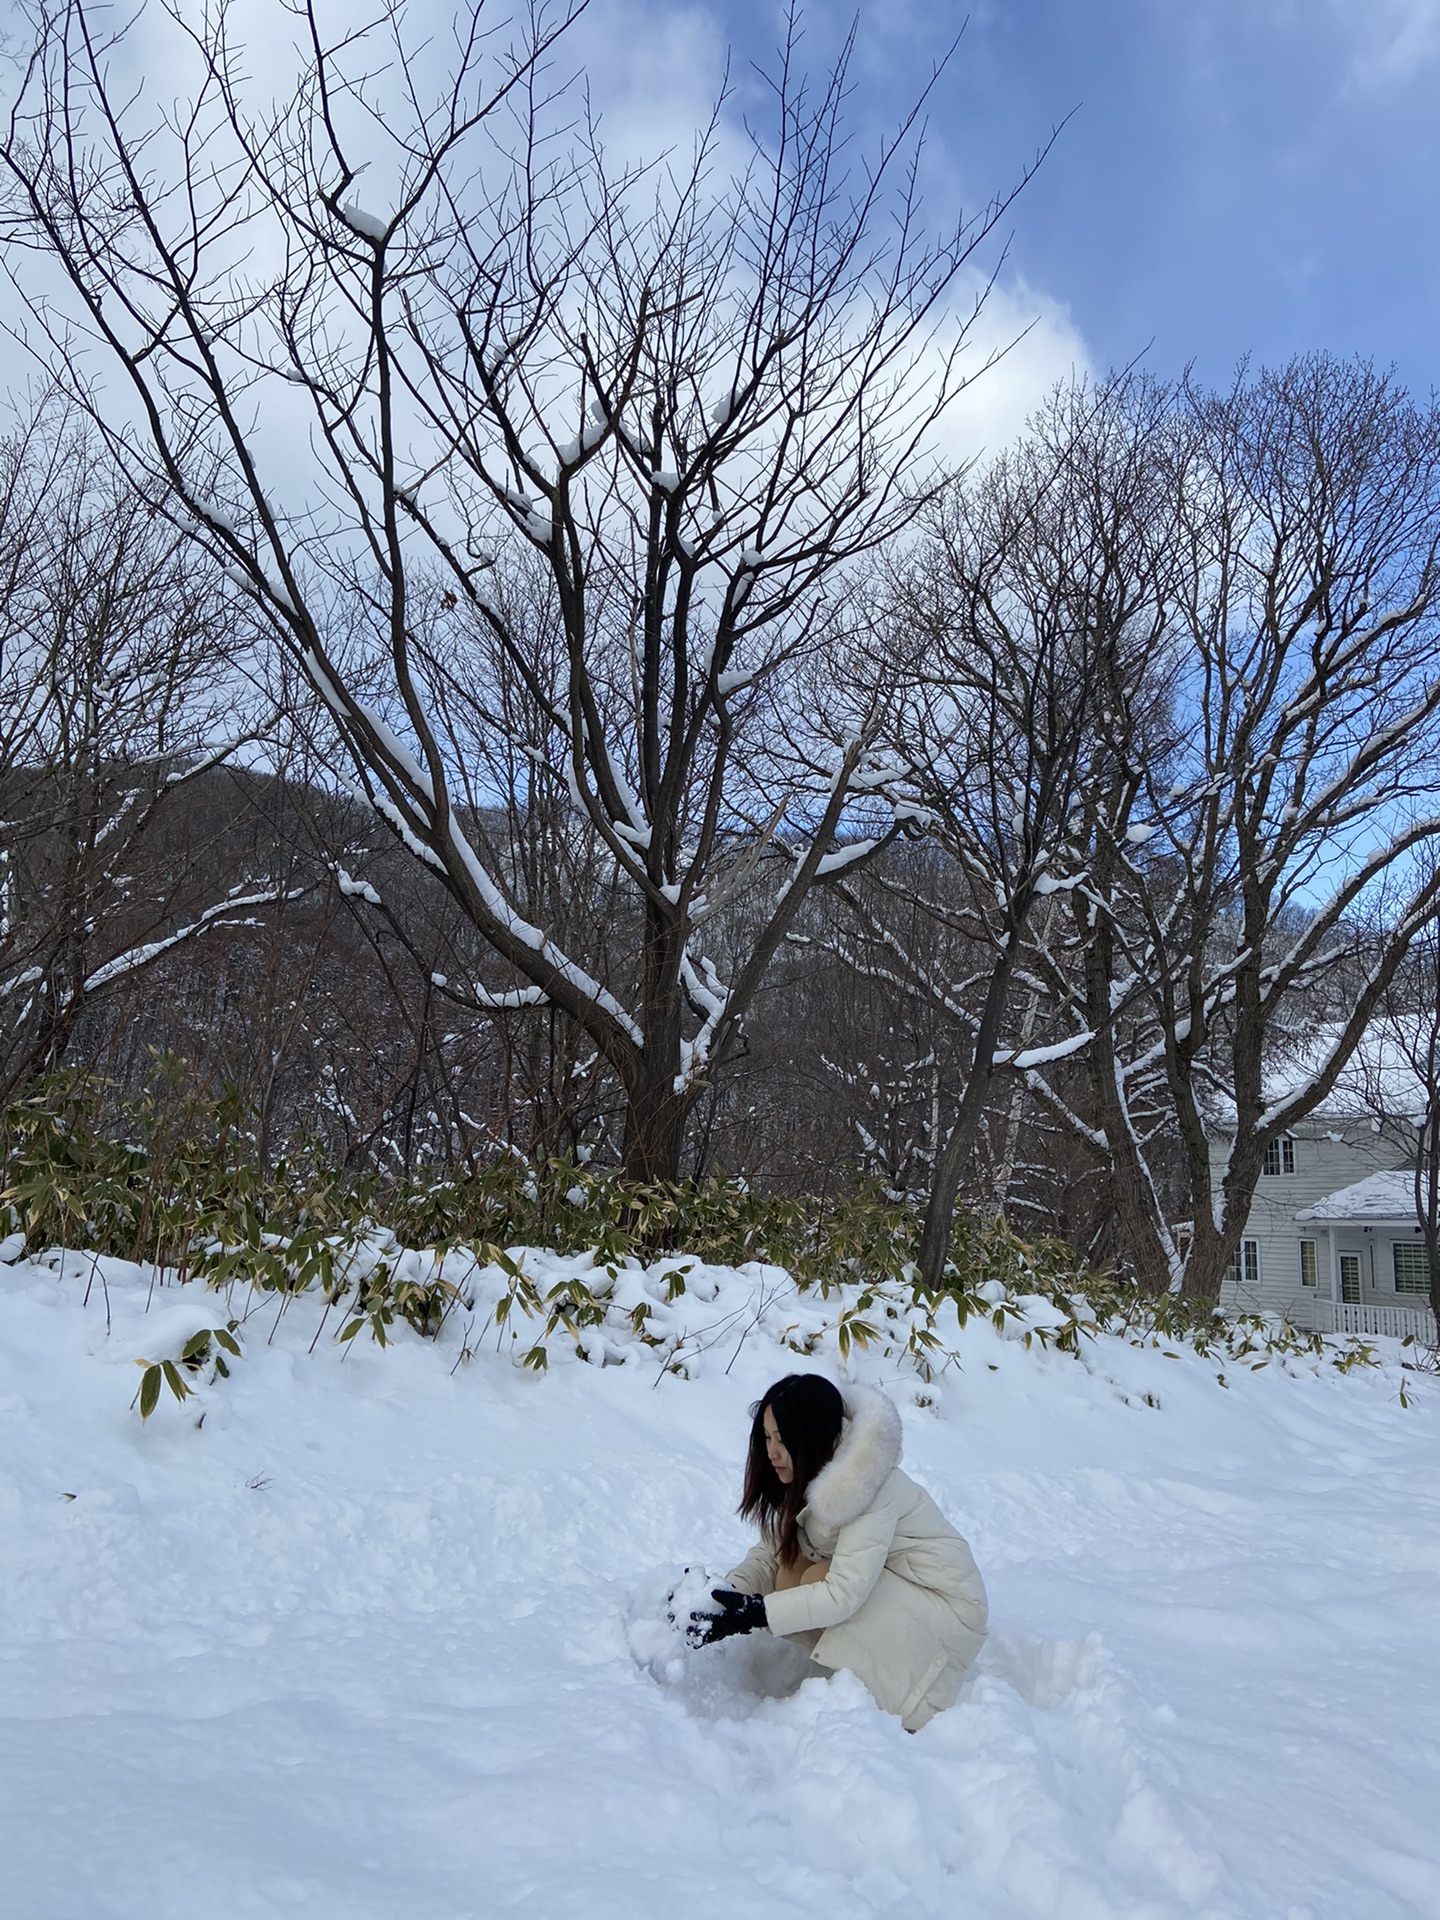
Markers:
208,1347
557,1260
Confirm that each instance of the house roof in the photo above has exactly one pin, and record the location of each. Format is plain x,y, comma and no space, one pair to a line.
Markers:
1378,1078
1382,1196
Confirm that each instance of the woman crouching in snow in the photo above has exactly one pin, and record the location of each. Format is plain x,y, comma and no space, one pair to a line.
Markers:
855,1562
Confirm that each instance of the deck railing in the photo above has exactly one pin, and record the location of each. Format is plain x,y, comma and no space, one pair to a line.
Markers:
1369,1318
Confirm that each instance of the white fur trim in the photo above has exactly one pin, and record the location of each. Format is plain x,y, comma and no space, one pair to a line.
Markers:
868,1453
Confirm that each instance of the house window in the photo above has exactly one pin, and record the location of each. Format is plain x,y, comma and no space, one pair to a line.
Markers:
1350,1276
1280,1155
1412,1269
1309,1270
1244,1268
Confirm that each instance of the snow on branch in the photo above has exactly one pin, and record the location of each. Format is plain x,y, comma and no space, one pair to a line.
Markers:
520,930
396,749
1029,1057
141,956
219,519
708,992
827,865
353,889
211,758
324,684
845,857
368,225
1037,1084
635,827
400,826
1048,883
1325,915
508,1001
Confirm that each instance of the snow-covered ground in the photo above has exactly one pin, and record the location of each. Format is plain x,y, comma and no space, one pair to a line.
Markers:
381,1638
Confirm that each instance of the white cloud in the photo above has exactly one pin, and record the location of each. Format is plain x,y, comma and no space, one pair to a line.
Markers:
1393,38
1387,42
653,73
654,70
1038,345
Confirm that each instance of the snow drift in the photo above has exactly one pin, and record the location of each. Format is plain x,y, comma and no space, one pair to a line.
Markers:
371,1633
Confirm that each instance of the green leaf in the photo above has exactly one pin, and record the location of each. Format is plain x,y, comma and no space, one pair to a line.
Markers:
149,1391
196,1347
228,1341
172,1380
349,1333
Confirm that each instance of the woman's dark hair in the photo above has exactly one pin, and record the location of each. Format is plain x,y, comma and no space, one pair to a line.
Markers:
807,1410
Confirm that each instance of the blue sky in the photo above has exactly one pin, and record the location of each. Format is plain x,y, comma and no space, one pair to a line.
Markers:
1238,176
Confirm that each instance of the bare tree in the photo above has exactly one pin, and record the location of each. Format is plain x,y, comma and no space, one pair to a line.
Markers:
1404,1046
1425,1058
692,402
121,680
1038,600
1268,871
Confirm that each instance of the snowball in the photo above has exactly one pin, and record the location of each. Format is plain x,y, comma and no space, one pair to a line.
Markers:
692,1593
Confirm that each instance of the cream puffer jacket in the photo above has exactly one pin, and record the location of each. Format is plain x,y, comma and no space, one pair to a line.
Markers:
903,1605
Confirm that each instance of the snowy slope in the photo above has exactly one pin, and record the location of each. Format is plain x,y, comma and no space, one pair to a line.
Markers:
381,1639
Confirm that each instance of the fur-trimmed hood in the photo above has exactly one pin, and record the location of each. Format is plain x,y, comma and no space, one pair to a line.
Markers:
868,1453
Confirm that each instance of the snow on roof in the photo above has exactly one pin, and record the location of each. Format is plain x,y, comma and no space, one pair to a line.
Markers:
1382,1196
1377,1079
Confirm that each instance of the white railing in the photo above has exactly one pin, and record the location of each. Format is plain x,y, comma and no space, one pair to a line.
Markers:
1369,1318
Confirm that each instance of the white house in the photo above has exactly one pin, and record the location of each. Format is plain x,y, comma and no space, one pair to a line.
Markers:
1375,1256
1332,1241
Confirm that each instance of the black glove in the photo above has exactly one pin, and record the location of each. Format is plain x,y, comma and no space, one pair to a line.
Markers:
739,1613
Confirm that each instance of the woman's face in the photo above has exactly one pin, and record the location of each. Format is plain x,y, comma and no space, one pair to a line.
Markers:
775,1447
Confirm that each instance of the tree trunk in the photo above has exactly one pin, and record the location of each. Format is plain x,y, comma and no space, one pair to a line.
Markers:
1137,1225
944,1188
955,1154
1134,1199
655,1117
1210,1254
1427,1195
655,1113
1214,1247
